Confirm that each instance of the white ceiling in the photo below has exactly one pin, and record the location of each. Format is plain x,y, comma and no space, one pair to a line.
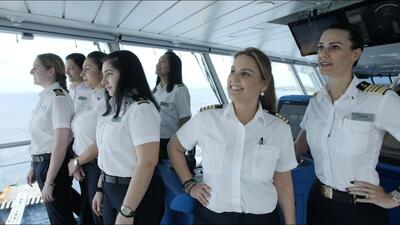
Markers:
223,24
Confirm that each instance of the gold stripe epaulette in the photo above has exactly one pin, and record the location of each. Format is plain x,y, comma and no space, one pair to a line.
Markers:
280,116
58,92
373,88
211,107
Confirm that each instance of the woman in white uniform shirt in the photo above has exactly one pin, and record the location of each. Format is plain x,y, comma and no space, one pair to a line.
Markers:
79,92
247,151
50,132
172,96
343,127
84,165
128,136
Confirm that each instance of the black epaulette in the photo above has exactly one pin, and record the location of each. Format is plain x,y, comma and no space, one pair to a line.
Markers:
211,107
58,92
141,101
373,88
280,117
181,85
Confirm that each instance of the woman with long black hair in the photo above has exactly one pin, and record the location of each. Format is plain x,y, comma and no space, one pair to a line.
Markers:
128,135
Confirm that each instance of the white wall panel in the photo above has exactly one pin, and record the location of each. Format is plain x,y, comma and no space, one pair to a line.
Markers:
73,10
113,12
174,15
145,12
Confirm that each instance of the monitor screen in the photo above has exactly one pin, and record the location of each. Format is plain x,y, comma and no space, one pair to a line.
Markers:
294,112
379,21
307,32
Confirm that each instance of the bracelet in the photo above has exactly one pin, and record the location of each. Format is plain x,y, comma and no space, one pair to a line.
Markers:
187,182
99,189
188,185
190,188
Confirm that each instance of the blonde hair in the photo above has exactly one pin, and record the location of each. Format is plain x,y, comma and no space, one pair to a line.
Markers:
268,101
50,60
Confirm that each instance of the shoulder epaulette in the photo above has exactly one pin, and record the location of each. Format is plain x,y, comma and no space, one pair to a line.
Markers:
211,107
373,88
181,85
280,116
58,92
141,101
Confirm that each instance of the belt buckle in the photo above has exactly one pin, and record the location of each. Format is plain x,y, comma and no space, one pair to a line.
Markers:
327,192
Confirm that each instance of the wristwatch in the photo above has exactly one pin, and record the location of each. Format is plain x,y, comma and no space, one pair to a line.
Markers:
395,196
127,212
76,162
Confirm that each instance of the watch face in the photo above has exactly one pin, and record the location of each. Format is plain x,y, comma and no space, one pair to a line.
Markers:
126,211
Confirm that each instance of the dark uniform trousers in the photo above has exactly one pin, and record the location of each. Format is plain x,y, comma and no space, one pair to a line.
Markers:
150,209
88,190
322,210
59,210
206,216
163,154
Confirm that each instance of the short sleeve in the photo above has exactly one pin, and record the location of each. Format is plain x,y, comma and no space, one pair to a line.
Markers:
287,160
387,117
144,124
183,102
304,122
62,112
188,134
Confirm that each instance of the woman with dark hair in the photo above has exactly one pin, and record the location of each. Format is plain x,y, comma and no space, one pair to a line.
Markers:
50,132
247,151
172,96
79,92
84,165
127,135
343,126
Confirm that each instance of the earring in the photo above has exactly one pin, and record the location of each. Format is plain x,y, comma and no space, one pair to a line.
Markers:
262,94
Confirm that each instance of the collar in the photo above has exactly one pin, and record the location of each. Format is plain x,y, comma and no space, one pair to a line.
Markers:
351,92
49,89
99,94
229,112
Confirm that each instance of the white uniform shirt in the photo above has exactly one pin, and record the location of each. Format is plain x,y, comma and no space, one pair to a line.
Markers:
84,123
345,137
239,161
116,138
80,95
174,105
54,110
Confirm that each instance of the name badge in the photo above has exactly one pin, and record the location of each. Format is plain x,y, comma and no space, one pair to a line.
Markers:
118,119
366,117
82,98
165,104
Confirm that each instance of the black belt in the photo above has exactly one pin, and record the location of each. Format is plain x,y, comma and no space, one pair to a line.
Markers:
114,179
341,196
41,158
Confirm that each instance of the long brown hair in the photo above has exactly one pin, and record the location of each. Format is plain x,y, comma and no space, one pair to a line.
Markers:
268,101
50,60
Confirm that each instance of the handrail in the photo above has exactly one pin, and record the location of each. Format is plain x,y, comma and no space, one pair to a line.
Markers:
15,144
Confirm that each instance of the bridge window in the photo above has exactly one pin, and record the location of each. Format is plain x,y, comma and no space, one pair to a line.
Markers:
193,74
18,95
285,82
308,78
222,65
